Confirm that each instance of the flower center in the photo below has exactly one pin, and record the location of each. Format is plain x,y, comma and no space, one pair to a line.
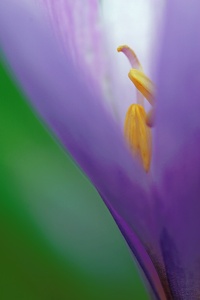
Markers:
137,123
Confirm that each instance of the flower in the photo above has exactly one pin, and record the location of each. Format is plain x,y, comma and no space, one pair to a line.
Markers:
157,213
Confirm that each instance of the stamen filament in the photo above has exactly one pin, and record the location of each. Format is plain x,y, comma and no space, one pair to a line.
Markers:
132,57
150,118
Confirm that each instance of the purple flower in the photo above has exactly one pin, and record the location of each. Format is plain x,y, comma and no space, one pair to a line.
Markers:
158,212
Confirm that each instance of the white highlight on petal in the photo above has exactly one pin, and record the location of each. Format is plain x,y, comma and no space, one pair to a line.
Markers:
135,23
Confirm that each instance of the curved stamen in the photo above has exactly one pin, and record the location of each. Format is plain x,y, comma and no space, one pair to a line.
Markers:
135,63
137,123
132,57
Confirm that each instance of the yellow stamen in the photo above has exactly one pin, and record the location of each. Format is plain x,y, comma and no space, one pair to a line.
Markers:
142,83
138,134
137,123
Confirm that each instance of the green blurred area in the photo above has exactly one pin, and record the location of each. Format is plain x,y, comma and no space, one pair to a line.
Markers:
57,239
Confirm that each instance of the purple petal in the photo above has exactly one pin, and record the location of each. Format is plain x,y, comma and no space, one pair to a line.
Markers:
178,102
177,143
78,27
79,120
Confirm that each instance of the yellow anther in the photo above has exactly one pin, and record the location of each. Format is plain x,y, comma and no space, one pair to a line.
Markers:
138,134
143,84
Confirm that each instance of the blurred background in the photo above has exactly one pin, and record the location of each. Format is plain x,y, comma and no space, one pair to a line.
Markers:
57,239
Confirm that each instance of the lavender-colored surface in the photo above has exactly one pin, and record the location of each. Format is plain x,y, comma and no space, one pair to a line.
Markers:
161,209
176,160
78,28
79,120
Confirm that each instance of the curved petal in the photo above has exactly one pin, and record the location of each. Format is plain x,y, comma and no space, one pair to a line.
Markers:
179,236
76,115
177,141
78,119
144,260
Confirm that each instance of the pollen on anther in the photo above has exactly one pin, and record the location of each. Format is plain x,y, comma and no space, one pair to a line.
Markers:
138,134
